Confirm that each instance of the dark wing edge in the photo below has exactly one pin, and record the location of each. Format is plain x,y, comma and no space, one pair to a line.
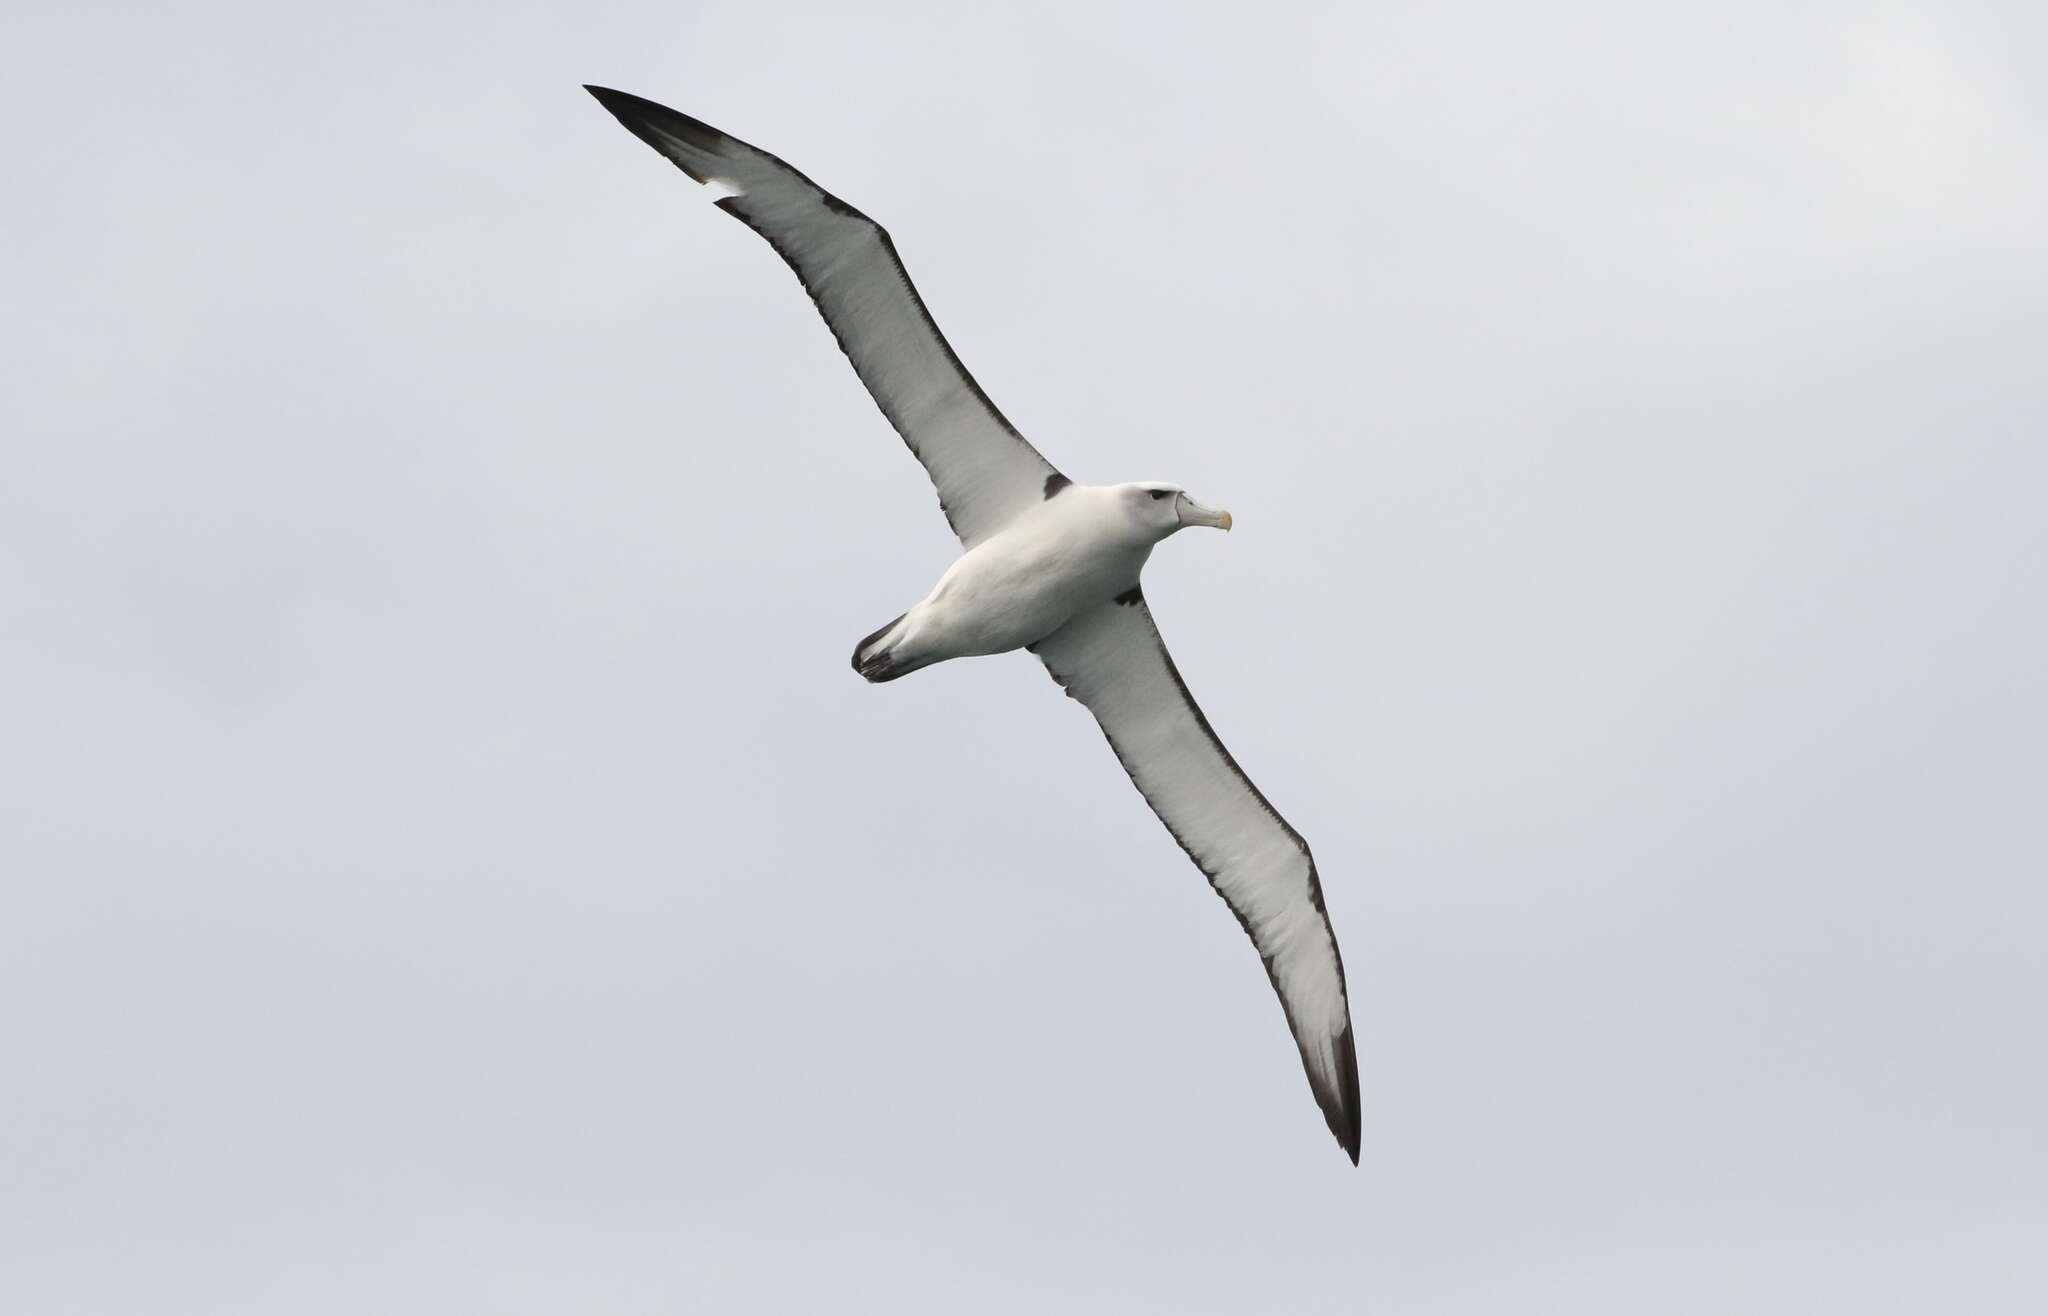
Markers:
1112,659
985,471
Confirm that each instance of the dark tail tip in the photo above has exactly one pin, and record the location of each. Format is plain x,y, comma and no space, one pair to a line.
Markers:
880,668
870,665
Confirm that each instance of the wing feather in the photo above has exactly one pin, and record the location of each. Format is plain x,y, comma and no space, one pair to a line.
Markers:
984,470
1111,658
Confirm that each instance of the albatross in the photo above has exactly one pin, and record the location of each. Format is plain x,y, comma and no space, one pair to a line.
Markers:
1048,565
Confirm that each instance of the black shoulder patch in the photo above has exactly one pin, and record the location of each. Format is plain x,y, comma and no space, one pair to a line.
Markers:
1131,597
1055,482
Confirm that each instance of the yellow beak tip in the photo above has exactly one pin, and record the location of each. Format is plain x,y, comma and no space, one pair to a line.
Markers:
1226,522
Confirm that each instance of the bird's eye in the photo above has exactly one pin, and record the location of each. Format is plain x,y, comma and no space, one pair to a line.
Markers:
1158,494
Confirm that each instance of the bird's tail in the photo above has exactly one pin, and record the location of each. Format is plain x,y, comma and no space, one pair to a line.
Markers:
874,656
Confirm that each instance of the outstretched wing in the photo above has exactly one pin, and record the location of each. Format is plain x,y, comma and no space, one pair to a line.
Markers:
1110,657
984,470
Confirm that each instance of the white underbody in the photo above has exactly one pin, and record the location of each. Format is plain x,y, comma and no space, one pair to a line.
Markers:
1023,582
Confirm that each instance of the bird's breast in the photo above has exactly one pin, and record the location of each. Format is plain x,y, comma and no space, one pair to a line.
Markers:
1016,588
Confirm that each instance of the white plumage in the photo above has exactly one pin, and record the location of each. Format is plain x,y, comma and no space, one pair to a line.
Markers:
1049,565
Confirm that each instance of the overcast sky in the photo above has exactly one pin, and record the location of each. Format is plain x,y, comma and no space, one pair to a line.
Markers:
446,865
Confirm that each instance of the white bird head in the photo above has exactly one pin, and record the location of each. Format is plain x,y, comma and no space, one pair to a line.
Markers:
1161,509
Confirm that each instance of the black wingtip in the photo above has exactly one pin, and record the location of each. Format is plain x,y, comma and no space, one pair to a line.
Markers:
652,122
618,102
637,116
1344,1116
610,99
634,110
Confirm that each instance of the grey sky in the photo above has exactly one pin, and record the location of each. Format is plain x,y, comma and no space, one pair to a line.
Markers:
448,866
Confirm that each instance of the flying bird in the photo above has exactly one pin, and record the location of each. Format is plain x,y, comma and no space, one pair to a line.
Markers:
1048,565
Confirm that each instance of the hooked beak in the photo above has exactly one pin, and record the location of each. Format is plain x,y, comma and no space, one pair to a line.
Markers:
1193,513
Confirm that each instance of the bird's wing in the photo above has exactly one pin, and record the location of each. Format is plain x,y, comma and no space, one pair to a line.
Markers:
1110,657
985,472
